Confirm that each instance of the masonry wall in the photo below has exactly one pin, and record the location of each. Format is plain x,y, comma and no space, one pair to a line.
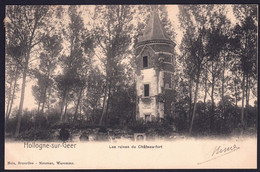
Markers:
158,74
147,105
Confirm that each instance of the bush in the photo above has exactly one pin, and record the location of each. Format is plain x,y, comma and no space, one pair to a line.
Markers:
138,126
11,125
53,118
161,128
64,134
35,134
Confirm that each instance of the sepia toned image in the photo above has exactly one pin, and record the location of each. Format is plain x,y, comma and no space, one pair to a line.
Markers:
131,86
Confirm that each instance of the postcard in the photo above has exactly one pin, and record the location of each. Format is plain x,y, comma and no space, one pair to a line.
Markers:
131,86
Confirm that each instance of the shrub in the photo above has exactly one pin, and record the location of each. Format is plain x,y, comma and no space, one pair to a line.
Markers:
35,134
64,134
137,126
11,125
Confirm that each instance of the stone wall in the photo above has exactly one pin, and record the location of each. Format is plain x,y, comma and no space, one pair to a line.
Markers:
158,74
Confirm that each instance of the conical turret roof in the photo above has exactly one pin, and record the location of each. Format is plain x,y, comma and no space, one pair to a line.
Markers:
154,30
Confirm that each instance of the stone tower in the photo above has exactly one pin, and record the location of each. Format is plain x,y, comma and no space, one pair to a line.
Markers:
155,71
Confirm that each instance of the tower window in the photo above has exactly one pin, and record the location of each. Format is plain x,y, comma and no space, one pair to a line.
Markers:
145,61
147,118
146,90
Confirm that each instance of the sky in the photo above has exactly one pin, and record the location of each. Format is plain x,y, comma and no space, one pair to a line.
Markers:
173,11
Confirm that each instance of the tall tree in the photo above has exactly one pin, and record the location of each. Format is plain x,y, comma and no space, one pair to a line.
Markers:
194,22
217,51
246,32
73,80
13,53
113,34
92,101
26,23
48,61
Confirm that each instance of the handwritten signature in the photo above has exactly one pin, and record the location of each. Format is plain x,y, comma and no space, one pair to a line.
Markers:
220,151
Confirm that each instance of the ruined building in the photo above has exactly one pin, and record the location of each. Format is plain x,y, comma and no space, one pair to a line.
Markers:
155,71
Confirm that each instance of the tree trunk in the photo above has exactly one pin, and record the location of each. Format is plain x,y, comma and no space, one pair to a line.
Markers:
205,94
212,99
195,102
45,92
104,103
80,112
93,112
243,97
247,99
78,102
212,107
48,102
44,100
248,91
190,102
244,88
7,114
236,107
108,100
9,99
222,87
62,105
38,110
206,89
236,94
65,112
13,94
21,99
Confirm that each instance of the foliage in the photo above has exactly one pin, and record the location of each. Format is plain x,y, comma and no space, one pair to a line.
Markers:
113,30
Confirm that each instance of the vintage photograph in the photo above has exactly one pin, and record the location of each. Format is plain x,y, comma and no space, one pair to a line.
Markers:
111,73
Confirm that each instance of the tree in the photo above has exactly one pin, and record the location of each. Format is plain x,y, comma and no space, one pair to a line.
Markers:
12,75
194,42
218,53
245,32
92,101
113,34
72,82
48,62
44,74
183,104
38,90
64,83
25,22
